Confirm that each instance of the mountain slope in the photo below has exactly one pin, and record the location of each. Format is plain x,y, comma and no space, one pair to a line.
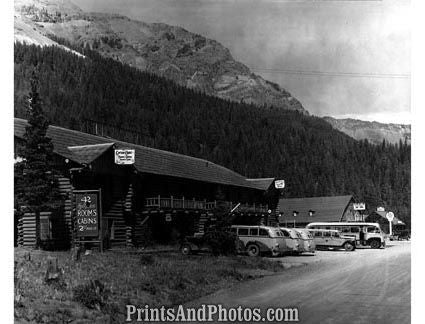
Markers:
374,132
189,59
131,105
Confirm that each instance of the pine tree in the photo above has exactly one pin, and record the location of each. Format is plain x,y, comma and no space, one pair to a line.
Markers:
35,185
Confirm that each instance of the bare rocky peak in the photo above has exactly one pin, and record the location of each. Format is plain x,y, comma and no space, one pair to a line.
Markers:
170,51
374,132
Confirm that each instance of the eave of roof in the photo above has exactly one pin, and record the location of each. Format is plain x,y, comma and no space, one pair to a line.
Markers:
85,154
262,183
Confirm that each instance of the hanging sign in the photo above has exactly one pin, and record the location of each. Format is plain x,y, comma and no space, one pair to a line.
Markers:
87,213
359,206
124,157
279,184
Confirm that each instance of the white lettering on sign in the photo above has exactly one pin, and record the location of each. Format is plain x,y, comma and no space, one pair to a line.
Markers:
359,206
380,209
125,156
279,184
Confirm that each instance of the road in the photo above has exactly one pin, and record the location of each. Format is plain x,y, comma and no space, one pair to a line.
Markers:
364,286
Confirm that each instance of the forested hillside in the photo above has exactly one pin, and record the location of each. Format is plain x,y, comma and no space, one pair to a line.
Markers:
306,151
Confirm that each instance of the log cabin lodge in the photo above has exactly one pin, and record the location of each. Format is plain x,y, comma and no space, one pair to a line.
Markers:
160,198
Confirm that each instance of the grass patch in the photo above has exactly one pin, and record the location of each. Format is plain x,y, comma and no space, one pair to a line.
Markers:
98,287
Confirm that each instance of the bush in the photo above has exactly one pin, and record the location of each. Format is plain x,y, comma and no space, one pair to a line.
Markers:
221,242
92,294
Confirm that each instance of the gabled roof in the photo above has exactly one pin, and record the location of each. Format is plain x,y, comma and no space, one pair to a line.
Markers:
262,183
85,154
84,148
326,209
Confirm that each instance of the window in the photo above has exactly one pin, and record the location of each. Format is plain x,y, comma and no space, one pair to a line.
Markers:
263,232
335,234
327,234
328,227
253,231
285,234
345,230
45,228
242,231
355,229
318,234
372,229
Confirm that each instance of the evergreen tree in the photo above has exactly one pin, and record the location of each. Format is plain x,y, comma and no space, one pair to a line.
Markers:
35,184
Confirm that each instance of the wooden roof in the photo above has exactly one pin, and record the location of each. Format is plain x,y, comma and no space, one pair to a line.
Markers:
326,209
263,183
83,148
85,154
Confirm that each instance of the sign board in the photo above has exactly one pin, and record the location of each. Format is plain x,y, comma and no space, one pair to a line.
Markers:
380,209
359,206
124,157
279,184
87,213
390,216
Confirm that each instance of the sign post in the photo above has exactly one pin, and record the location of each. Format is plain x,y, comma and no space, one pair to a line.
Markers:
88,217
390,217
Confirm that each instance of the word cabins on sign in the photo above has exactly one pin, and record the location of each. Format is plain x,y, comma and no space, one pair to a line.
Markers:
87,214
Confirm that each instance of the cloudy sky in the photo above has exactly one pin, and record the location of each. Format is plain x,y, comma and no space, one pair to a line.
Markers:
338,57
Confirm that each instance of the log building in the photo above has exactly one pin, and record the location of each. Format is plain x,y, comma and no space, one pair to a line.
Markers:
159,198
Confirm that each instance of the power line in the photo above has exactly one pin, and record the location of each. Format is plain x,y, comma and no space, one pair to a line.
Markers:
334,74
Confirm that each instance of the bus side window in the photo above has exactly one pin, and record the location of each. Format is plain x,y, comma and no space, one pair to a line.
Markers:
345,230
243,231
285,234
355,230
253,231
327,234
317,234
263,232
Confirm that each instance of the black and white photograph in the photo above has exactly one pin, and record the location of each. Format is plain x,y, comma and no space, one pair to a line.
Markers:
221,161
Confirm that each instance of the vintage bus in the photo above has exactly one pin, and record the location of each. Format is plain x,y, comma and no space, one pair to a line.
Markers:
365,234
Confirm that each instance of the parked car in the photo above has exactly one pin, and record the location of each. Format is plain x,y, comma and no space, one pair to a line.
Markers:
326,239
307,240
257,240
292,240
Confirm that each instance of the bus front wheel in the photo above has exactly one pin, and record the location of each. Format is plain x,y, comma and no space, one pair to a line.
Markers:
253,250
349,246
375,244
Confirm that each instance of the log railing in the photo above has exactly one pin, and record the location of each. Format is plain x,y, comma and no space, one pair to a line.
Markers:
184,203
